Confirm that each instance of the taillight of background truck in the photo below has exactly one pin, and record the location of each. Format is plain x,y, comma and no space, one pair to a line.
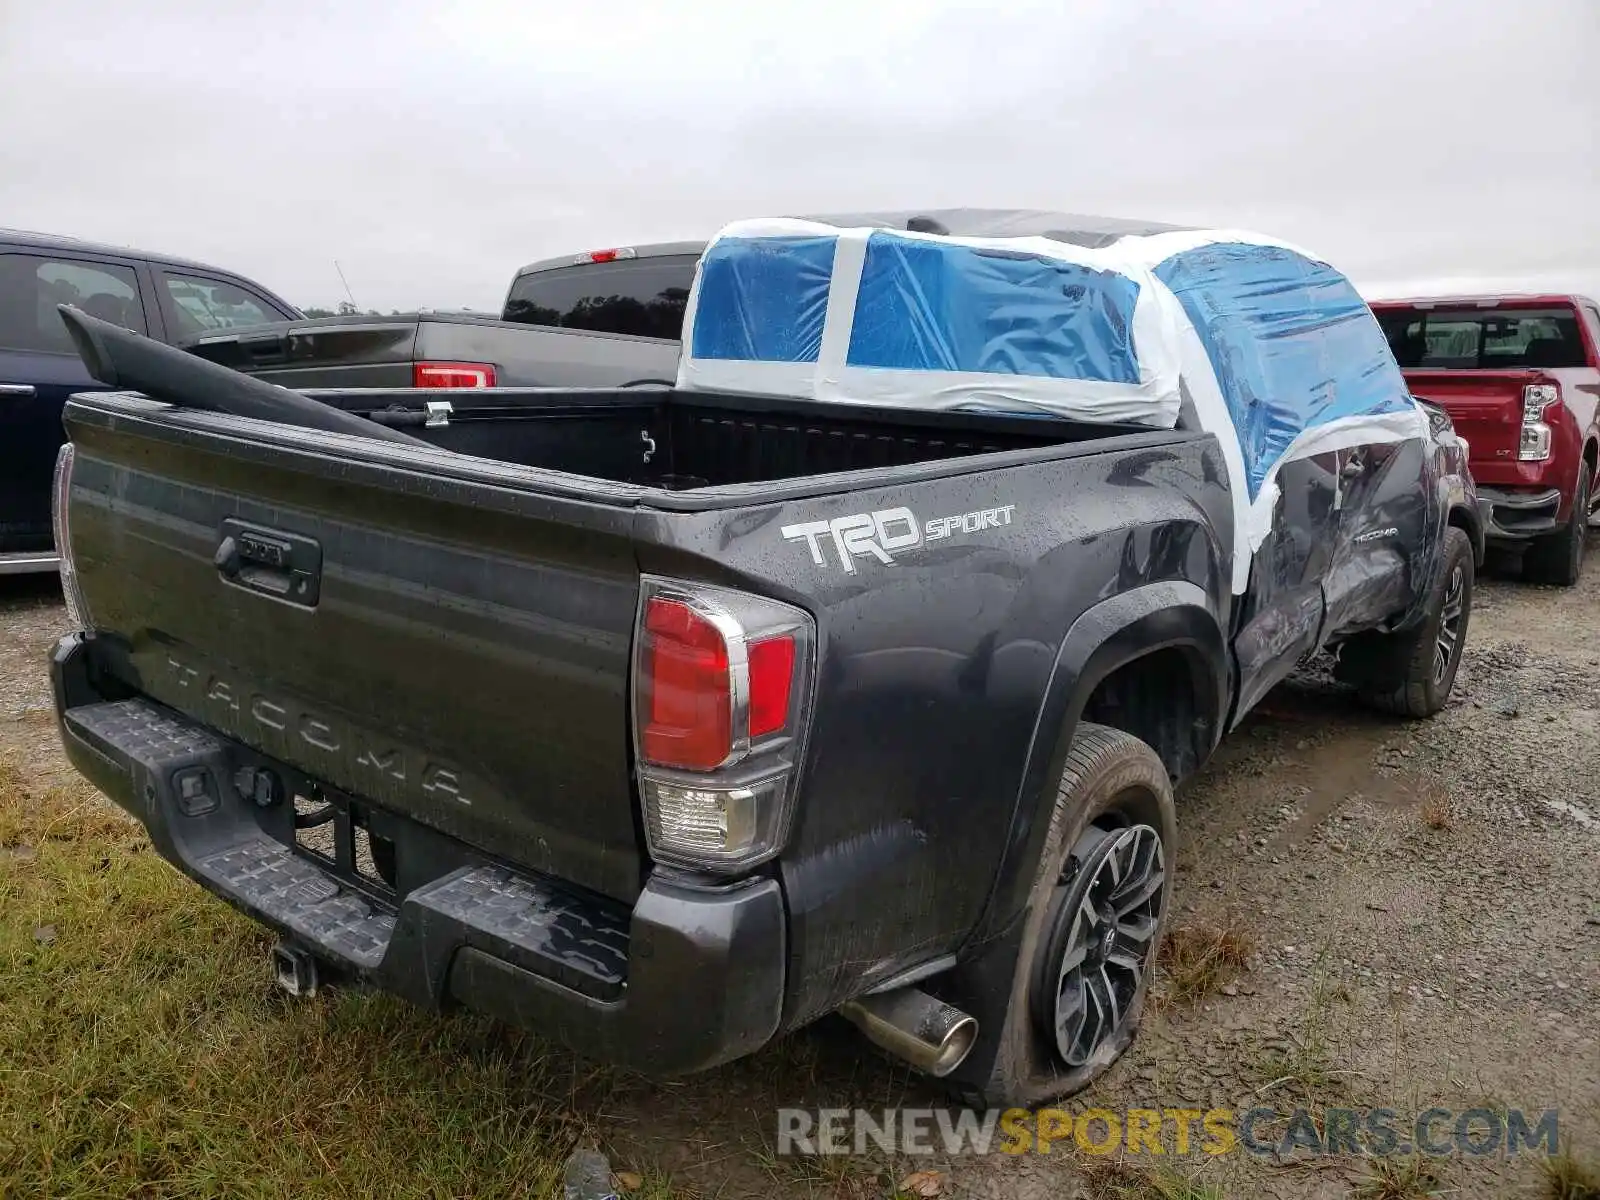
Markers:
1534,445
77,608
452,375
722,697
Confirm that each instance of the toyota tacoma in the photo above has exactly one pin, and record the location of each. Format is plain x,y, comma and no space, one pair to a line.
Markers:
666,720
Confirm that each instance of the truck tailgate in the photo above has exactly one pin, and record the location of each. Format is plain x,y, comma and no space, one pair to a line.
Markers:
1486,407
336,352
450,652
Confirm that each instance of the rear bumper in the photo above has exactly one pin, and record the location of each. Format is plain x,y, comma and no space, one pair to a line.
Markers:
30,563
688,979
1514,517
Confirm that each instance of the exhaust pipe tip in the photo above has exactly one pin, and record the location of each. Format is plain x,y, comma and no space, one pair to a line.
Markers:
954,1046
931,1035
294,970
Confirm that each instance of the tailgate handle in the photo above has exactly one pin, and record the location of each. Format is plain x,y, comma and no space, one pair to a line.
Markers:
287,566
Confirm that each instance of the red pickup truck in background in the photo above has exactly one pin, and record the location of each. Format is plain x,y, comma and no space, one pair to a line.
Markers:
1520,378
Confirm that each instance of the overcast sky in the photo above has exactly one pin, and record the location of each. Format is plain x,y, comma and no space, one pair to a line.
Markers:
431,148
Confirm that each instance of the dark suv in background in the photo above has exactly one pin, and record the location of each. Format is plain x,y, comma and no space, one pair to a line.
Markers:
169,299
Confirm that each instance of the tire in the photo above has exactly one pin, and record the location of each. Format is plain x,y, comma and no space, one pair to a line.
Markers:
1410,674
1113,808
1558,557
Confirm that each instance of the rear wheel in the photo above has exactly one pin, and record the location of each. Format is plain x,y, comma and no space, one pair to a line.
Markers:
1558,557
1094,923
1410,674
1105,916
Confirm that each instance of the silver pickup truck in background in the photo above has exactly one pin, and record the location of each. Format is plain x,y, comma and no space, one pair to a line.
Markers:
602,318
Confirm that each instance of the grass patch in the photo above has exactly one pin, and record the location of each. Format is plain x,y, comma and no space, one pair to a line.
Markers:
145,1053
1438,813
1113,1179
829,1177
1300,1069
1410,1178
1566,1178
1200,960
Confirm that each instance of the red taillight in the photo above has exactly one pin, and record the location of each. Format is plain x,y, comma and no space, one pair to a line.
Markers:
771,681
687,718
603,256
721,702
452,375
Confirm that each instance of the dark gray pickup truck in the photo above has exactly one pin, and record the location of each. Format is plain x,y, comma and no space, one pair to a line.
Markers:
664,722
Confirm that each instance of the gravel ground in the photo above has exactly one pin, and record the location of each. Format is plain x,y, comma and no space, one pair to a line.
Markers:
32,617
1396,963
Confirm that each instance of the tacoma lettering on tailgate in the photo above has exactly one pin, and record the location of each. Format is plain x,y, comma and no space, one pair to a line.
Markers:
267,721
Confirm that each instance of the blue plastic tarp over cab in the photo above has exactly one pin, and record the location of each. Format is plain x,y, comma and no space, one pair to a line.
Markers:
937,306
864,315
763,299
1292,345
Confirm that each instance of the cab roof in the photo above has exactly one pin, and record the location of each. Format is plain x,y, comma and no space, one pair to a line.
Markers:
1484,300
1076,228
27,240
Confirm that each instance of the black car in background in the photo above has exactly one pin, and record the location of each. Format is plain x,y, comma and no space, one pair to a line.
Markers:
170,299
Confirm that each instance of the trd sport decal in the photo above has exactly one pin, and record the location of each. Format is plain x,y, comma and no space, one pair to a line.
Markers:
881,534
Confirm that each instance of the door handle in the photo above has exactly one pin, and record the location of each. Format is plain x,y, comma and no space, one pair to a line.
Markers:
16,389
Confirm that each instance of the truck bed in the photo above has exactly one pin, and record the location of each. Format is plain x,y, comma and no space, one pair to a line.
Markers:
455,681
478,610
663,438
